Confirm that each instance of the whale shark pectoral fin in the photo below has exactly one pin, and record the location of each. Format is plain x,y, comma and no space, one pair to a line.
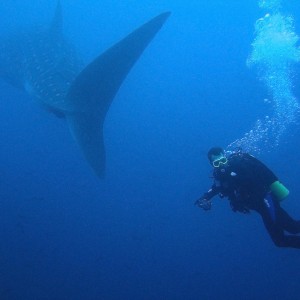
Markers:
93,90
88,133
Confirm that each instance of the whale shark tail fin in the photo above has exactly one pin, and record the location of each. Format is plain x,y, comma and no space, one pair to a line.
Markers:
87,130
93,90
56,28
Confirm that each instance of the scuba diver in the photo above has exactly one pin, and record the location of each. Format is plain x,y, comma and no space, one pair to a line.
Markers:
250,185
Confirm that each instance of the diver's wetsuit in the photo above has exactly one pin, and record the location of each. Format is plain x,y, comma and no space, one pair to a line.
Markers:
246,181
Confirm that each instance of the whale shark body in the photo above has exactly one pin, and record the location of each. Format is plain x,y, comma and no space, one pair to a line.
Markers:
45,65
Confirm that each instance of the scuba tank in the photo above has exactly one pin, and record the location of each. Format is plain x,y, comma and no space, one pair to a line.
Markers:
279,190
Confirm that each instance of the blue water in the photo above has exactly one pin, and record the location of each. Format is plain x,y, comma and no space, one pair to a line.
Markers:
65,234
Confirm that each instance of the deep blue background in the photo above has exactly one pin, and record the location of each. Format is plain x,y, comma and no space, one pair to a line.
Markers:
137,235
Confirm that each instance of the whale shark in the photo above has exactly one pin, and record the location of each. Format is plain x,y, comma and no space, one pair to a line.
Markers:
44,64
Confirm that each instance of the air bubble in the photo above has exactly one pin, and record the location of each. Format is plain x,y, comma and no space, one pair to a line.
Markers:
274,52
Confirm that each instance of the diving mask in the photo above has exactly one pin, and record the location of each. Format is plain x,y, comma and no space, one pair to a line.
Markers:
219,161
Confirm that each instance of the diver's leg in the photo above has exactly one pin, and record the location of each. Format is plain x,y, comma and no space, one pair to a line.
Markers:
286,221
271,217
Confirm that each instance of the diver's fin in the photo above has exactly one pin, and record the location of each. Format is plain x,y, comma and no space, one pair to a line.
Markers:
93,90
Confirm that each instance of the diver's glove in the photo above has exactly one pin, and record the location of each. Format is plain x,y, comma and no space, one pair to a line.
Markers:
203,203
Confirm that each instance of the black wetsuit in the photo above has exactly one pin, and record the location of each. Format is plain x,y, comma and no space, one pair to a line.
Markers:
246,181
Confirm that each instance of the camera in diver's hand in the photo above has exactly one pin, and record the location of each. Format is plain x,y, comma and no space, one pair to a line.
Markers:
203,203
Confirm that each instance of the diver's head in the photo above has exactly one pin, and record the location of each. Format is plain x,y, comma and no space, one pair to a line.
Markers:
216,157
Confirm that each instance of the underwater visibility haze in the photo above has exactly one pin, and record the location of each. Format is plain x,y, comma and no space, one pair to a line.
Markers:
45,65
158,95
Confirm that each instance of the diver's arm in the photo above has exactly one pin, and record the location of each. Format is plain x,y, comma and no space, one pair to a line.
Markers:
205,200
